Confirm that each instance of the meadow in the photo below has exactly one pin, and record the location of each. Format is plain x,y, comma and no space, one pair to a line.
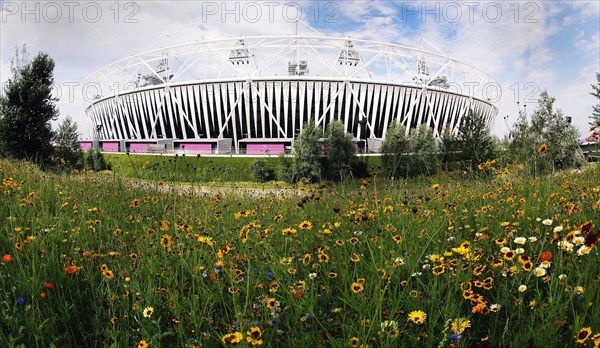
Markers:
90,260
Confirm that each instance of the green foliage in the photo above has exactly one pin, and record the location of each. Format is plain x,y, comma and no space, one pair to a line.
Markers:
262,171
26,109
595,124
307,153
67,148
88,159
547,143
475,143
286,168
449,149
393,149
340,150
423,149
94,160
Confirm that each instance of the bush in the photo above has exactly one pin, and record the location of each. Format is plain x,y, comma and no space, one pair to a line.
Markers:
94,160
262,172
286,169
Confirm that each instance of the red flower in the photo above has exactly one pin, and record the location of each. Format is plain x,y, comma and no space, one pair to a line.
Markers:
7,258
42,294
546,256
48,285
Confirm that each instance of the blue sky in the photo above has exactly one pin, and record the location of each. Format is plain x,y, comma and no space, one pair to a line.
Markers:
527,46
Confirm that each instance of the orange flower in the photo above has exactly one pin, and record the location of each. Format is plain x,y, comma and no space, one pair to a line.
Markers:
479,308
7,258
546,256
543,148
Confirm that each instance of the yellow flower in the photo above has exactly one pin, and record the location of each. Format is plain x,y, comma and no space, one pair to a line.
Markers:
166,241
232,338
108,274
305,225
163,225
353,342
584,334
356,287
417,317
460,325
143,344
148,312
254,336
398,239
272,303
288,231
543,148
206,240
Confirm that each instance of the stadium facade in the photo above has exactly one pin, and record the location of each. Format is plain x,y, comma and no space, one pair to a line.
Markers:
253,95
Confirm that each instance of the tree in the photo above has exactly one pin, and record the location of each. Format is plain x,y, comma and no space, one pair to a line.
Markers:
449,151
27,108
341,150
393,149
67,146
475,142
423,149
307,152
595,124
548,142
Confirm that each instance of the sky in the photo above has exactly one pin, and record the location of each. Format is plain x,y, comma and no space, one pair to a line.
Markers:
527,46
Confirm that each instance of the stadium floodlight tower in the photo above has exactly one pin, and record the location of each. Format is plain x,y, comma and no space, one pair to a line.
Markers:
254,94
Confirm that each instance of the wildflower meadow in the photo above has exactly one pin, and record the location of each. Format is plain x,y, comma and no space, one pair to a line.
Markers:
91,260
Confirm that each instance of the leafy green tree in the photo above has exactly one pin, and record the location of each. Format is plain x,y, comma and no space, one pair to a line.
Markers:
423,149
26,109
475,142
393,150
595,124
548,142
449,150
340,149
67,148
307,153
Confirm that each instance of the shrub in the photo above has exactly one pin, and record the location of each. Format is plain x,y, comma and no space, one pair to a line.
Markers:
286,169
262,172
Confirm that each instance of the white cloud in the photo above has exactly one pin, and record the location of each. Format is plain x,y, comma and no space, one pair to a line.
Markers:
519,47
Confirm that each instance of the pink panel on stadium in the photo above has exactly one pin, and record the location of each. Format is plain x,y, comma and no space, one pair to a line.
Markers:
85,145
263,149
110,147
196,148
138,147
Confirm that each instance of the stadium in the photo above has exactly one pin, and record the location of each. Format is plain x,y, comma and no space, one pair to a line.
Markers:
253,94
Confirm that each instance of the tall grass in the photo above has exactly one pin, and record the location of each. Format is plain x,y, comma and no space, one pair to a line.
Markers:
92,261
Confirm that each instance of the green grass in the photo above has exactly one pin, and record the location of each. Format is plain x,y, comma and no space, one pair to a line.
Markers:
222,264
